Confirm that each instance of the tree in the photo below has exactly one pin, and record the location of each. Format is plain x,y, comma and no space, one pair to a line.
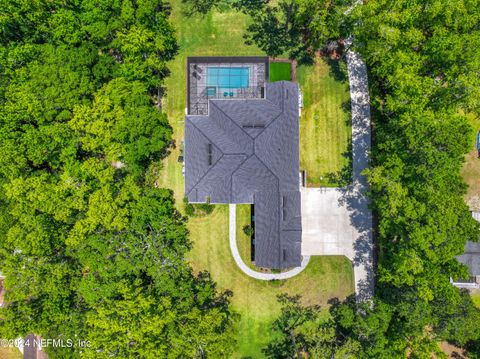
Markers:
419,79
202,7
291,342
299,28
122,124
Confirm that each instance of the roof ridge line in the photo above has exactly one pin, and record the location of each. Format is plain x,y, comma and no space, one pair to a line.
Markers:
231,120
223,155
236,169
213,123
267,126
201,178
231,176
208,138
273,103
268,168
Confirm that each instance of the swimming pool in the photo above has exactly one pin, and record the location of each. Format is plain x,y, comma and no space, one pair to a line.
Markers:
228,77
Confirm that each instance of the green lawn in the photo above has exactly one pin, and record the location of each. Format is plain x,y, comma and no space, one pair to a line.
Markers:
280,71
255,301
325,130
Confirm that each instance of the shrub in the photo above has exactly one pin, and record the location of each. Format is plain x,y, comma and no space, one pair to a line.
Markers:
248,230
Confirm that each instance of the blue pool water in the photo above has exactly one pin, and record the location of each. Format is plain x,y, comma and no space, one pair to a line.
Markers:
227,77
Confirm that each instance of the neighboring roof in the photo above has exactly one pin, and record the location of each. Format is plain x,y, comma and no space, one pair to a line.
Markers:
471,258
471,255
246,151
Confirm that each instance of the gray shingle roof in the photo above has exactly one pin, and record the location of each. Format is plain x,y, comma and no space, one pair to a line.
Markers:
471,257
246,151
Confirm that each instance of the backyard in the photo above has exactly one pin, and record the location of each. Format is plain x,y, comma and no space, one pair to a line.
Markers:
325,277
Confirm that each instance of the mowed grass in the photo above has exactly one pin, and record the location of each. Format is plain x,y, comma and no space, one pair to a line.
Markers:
255,301
280,71
471,168
325,129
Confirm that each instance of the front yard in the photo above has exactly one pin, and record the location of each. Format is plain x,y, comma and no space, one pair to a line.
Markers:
255,301
244,241
325,277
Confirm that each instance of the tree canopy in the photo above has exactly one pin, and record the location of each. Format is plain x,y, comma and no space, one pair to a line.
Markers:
295,28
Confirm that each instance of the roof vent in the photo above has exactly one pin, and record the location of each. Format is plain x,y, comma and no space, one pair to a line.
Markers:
209,151
258,125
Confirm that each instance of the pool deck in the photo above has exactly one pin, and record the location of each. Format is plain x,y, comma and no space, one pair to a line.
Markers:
197,68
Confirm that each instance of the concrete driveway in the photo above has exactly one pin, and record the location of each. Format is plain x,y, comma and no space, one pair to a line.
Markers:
326,224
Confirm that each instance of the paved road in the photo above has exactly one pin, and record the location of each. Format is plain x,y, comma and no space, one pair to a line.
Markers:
241,264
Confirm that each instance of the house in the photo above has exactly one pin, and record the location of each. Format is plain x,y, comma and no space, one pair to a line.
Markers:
242,147
471,258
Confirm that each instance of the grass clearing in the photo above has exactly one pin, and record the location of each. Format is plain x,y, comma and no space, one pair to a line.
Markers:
280,71
471,169
256,302
325,129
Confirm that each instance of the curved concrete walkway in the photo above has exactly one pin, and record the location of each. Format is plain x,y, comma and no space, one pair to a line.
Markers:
232,209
